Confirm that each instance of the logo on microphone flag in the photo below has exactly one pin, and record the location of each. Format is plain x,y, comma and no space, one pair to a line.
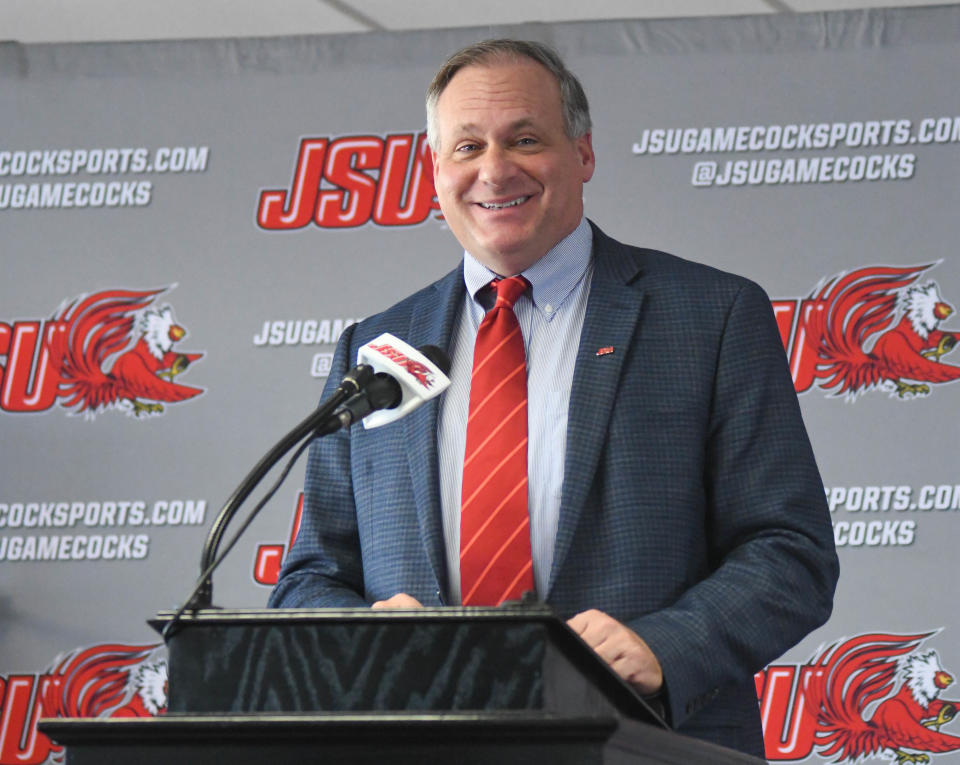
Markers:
419,378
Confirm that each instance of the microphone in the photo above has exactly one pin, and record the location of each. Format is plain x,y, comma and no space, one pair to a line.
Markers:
403,378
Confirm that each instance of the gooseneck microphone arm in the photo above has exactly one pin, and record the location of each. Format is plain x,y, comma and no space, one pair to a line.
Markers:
413,376
318,423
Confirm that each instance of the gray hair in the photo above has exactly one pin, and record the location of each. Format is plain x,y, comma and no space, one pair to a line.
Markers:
573,101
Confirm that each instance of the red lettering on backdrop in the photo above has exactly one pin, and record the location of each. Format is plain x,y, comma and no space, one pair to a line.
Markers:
351,204
789,719
334,185
20,708
269,557
393,207
30,378
806,342
785,311
795,322
281,210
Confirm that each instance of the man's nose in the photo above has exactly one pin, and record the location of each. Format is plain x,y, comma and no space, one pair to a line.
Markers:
496,167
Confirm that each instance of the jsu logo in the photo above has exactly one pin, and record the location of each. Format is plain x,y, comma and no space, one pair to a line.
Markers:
875,695
354,180
874,328
111,349
107,680
419,370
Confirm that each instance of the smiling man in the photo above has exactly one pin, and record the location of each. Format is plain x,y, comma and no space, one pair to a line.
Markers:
666,503
508,177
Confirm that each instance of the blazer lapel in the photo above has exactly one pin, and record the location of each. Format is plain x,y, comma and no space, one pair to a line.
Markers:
431,324
613,310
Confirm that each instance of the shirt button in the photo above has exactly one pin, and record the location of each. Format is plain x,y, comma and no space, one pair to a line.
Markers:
548,308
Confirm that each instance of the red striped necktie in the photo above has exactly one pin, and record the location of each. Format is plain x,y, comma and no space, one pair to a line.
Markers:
495,561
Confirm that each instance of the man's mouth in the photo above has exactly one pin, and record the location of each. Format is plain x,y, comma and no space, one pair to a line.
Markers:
502,205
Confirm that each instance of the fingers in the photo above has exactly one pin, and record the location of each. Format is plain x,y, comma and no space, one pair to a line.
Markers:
621,648
595,627
400,600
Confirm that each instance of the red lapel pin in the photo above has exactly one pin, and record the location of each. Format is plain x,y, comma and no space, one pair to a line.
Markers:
605,350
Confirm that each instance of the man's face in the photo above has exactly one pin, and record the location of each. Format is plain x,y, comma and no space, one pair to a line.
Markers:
509,181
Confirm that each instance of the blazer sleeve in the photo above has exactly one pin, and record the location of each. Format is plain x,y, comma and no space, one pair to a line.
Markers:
323,568
773,564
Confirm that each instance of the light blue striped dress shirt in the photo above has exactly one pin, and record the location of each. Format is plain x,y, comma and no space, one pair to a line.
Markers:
551,317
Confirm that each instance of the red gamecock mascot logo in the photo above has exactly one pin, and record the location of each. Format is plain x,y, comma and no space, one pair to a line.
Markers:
879,328
111,680
879,694
107,680
119,325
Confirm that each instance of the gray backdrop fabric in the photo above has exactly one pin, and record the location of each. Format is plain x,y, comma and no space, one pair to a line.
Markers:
273,191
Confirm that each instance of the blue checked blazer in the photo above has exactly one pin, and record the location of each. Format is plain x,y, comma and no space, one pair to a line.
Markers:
692,509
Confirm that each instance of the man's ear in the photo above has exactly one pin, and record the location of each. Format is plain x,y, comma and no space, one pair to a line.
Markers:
433,165
588,160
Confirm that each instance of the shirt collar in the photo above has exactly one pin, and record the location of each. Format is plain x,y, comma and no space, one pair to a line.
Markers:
552,278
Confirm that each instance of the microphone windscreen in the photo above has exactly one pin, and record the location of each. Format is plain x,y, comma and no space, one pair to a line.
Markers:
438,356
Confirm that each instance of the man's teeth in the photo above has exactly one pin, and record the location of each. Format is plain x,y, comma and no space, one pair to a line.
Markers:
500,206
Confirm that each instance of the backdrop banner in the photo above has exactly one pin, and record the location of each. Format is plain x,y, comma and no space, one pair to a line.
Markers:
188,227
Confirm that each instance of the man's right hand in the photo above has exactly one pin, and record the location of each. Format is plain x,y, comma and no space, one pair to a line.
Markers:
622,648
400,600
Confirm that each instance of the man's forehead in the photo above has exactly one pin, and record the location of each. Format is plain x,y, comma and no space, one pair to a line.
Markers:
469,126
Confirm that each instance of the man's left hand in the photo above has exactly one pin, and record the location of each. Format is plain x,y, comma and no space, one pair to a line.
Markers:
400,600
622,648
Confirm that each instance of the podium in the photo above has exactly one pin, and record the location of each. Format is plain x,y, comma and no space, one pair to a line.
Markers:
507,685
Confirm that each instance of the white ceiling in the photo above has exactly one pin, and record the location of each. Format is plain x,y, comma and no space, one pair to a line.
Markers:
32,21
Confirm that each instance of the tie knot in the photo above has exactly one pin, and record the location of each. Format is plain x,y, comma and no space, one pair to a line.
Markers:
509,290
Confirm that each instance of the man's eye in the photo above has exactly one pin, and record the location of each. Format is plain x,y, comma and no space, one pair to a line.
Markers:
467,147
527,141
